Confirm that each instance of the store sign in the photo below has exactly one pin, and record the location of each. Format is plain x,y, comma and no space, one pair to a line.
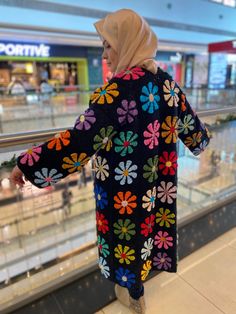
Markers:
24,50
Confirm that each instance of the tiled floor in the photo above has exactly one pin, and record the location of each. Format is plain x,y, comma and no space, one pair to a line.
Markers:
205,283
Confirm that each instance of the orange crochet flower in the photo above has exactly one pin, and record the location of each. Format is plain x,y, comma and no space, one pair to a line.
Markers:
125,201
183,100
171,126
59,140
105,94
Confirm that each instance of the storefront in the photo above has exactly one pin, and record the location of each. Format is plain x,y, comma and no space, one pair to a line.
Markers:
32,63
222,65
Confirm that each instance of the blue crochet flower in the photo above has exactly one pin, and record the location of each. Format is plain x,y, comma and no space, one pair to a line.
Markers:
125,277
150,98
100,196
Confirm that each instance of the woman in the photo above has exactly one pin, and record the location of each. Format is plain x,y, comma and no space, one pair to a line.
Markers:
132,126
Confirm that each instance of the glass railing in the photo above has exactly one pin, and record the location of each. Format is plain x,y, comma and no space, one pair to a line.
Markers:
37,111
47,235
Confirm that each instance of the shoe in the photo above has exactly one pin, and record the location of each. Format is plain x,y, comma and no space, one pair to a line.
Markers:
122,295
137,306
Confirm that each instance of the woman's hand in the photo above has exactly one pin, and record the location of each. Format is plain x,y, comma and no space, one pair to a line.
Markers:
16,177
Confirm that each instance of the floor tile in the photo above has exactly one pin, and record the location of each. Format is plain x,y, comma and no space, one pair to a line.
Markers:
215,279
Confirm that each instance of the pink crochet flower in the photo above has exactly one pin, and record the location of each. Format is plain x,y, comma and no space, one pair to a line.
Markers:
152,134
131,74
31,155
162,239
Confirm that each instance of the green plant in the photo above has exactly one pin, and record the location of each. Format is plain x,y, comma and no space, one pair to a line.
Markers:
9,164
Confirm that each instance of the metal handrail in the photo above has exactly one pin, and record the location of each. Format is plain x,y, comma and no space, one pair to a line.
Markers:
15,139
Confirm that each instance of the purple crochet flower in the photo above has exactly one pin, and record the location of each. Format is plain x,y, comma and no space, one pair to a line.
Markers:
127,111
85,120
162,261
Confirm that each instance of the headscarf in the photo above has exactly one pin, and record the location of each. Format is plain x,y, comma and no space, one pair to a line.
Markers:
132,39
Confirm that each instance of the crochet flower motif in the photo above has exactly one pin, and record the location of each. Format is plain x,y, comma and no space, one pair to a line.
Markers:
125,143
163,239
105,94
75,163
170,127
167,192
147,249
151,135
59,140
150,98
127,112
103,246
126,172
149,199
124,228
168,163
150,169
105,269
171,93
131,74
165,217
102,223
47,177
101,168
31,156
124,254
125,277
162,261
85,121
186,125
147,266
125,202
103,139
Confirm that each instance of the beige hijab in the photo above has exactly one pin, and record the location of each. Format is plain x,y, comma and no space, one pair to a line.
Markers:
132,39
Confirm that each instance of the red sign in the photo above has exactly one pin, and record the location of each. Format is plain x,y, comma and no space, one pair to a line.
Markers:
225,46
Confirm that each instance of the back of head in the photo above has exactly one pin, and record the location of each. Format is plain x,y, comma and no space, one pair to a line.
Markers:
131,37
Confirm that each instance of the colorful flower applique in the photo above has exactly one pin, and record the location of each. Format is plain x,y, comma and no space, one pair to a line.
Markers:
131,74
101,168
125,277
149,199
167,192
103,246
100,197
125,229
75,162
47,177
126,172
150,98
125,143
125,202
165,217
59,140
105,269
86,120
124,253
151,135
150,169
147,249
170,126
31,156
168,163
102,223
171,93
162,261
127,111
105,94
103,140
163,240
147,266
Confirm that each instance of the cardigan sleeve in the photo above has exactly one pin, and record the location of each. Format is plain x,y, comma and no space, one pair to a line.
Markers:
68,151
191,130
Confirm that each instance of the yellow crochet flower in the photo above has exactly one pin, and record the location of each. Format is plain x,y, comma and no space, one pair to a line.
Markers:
146,269
105,94
75,163
171,129
124,254
194,140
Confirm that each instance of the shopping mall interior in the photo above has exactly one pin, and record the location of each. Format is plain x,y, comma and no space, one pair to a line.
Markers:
50,64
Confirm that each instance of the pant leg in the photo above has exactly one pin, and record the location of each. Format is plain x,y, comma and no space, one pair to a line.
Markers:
136,291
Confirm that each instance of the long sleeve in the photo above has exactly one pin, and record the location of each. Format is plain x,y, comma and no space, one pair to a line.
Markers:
70,150
191,130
